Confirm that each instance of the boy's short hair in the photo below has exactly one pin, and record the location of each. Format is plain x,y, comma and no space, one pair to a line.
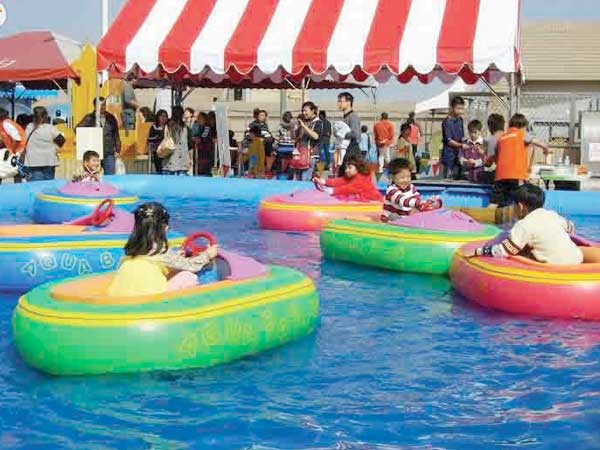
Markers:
531,196
89,154
405,126
347,96
364,129
398,165
518,121
456,101
475,125
496,123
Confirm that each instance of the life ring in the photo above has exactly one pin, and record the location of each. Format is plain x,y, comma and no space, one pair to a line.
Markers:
190,247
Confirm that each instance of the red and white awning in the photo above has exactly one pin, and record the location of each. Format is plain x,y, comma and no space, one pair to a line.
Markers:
258,39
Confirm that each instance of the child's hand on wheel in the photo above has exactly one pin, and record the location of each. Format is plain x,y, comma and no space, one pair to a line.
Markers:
212,251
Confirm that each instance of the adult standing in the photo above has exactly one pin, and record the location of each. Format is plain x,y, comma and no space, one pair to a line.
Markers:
310,129
325,141
203,143
43,141
156,136
13,137
178,162
130,105
384,138
416,131
345,104
111,141
189,117
268,139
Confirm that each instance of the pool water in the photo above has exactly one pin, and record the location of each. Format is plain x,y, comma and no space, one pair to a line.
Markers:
398,362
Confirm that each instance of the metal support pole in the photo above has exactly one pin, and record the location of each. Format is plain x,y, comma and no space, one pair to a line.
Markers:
511,86
282,101
572,118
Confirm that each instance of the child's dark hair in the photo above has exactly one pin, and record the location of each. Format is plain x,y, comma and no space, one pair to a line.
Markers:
518,121
475,125
404,127
496,123
89,155
364,129
255,129
398,165
457,101
149,234
360,164
531,196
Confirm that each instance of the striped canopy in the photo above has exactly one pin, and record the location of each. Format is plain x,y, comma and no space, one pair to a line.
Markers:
275,39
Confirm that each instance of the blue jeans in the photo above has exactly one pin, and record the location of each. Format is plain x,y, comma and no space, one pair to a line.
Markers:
41,173
325,153
108,164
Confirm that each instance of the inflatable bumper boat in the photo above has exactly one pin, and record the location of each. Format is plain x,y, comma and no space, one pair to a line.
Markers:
422,242
72,327
310,211
520,285
75,200
34,254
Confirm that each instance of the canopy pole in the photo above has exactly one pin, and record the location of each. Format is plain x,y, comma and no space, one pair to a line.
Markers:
282,102
507,106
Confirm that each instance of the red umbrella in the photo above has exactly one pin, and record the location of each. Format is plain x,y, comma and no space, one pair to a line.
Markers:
38,59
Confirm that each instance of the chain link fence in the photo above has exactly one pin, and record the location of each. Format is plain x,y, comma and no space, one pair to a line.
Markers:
554,118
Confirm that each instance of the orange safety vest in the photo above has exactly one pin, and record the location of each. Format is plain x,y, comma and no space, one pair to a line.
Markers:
12,145
512,162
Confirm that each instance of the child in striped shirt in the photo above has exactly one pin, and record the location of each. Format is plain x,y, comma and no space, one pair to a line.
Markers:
401,196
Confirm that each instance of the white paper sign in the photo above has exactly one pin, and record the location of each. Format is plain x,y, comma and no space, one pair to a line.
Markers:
89,139
594,152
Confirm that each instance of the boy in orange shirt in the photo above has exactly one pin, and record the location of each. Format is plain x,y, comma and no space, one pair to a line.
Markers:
513,158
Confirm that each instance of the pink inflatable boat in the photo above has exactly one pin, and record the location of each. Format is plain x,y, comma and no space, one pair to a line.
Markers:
310,211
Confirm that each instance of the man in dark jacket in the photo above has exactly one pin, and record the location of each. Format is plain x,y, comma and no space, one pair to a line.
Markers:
325,142
345,104
111,142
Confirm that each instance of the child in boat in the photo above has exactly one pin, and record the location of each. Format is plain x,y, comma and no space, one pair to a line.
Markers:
541,234
471,156
91,169
356,184
148,267
401,196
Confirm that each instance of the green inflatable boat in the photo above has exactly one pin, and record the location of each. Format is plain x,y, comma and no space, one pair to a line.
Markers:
71,327
423,242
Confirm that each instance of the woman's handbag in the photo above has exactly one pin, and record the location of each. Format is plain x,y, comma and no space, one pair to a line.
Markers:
167,146
300,158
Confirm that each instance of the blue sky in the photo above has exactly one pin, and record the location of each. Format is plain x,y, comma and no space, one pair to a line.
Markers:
81,20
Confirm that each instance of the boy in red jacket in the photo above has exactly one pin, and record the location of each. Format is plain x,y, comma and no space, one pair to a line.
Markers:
356,184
